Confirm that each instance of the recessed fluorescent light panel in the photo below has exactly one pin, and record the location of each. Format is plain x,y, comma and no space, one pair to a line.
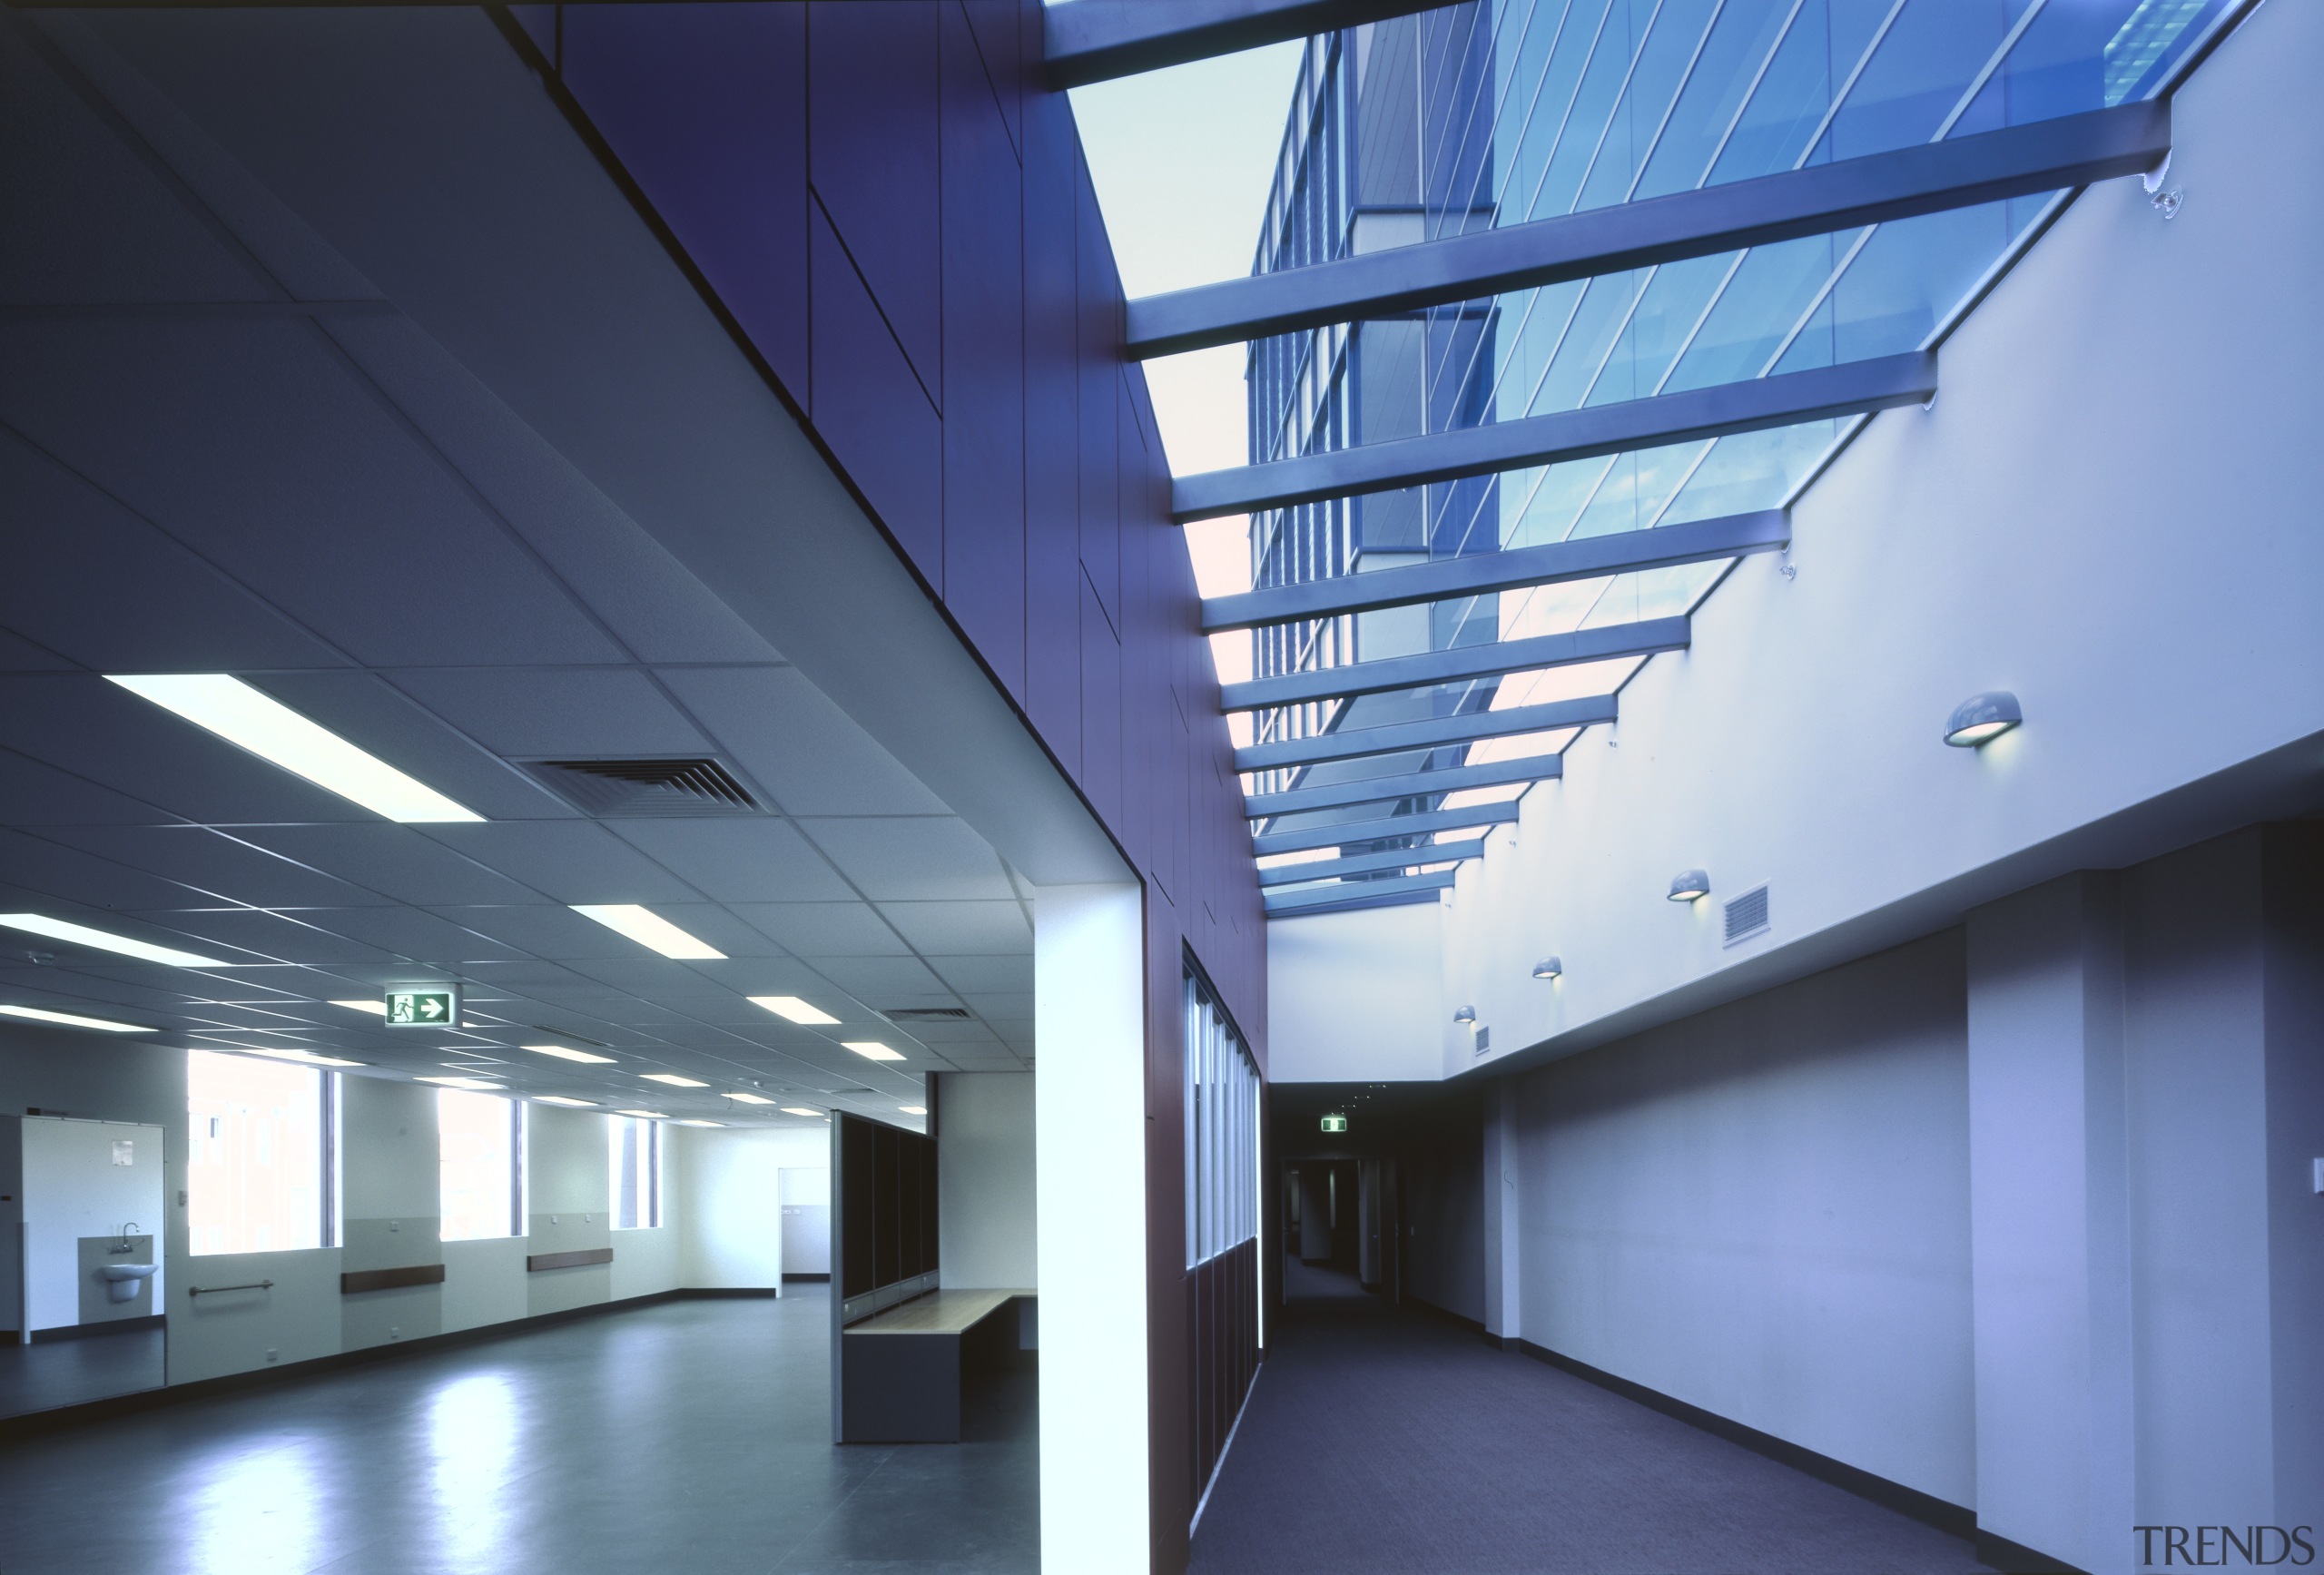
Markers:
643,1115
792,1006
750,1098
377,1009
649,930
693,1123
472,1083
304,1057
81,935
872,1050
674,1080
562,1054
913,1109
799,1110
561,1099
70,1021
275,733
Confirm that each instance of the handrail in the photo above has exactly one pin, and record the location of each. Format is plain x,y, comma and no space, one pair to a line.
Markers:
217,1290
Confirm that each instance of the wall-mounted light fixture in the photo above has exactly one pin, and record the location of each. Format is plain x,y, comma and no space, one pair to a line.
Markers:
1467,1014
1981,718
1548,968
1688,884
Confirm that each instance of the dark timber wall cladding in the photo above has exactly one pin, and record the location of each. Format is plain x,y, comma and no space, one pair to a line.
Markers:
895,210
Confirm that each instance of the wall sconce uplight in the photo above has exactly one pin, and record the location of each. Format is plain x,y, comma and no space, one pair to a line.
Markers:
1983,717
1548,968
1466,1015
1688,884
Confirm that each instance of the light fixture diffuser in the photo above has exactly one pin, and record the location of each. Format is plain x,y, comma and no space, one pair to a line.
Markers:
1549,967
1982,718
71,1022
562,1054
81,935
692,1121
475,1085
643,1115
1688,884
304,1057
799,1110
873,1050
1467,1014
279,735
913,1109
377,1009
750,1098
649,929
792,1006
561,1099
673,1080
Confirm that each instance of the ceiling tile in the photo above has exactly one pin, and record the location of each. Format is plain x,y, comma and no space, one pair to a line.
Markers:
751,860
934,857
564,860
802,748
394,860
54,878
986,975
33,794
268,935
207,860
1002,1010
824,929
963,929
568,712
413,934
106,589
878,981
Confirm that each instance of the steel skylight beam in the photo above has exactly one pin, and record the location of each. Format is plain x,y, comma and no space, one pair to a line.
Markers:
1753,405
1399,736
1097,40
1377,789
1512,568
2046,155
1371,863
1278,902
1348,834
1459,663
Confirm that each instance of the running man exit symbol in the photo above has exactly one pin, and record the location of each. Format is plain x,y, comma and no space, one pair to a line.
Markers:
1334,1122
436,1008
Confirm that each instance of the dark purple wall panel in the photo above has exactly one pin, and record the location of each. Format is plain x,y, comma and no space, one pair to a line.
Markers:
706,106
872,104
1101,714
984,364
1052,473
870,408
894,210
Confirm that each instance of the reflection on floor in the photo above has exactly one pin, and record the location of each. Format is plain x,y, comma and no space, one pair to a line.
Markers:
1382,1438
691,1436
68,1371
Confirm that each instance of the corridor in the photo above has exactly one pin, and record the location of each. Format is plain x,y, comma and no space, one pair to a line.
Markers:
1392,1439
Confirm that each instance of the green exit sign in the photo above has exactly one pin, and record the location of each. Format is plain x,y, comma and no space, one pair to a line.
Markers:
1334,1122
423,1009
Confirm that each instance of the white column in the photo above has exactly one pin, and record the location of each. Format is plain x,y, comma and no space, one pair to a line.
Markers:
1504,1314
2049,1208
1089,1187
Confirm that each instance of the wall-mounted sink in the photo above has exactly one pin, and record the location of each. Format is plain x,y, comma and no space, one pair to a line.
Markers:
125,1278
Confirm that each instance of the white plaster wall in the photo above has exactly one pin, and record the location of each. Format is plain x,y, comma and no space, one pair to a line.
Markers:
1764,1211
730,1205
1356,996
2109,510
985,1180
484,1281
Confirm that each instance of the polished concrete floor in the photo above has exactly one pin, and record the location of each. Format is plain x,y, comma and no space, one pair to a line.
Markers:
70,1372
1386,1439
689,1436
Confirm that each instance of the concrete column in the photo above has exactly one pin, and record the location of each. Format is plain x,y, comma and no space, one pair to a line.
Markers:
1504,1282
2049,1220
1089,1190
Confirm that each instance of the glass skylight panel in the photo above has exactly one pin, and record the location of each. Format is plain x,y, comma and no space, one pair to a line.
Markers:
270,729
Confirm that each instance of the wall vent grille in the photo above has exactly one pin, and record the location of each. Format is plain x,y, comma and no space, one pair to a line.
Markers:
1747,915
627,788
926,1014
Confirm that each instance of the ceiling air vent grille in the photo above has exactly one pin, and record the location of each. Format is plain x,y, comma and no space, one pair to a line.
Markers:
631,788
1747,915
926,1014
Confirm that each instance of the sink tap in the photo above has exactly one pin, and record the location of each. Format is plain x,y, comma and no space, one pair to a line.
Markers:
128,1229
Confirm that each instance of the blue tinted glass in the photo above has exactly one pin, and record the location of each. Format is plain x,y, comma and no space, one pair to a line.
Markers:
1717,86
1924,67
1669,48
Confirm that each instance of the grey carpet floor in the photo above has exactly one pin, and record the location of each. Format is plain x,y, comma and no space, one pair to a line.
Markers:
1388,1439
